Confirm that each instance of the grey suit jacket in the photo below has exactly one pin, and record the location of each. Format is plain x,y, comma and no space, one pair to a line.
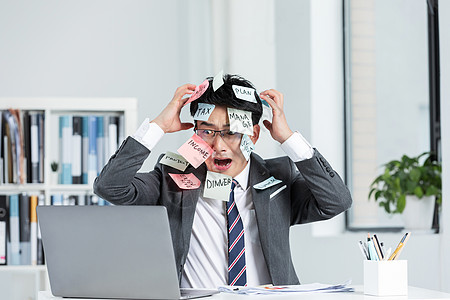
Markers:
313,192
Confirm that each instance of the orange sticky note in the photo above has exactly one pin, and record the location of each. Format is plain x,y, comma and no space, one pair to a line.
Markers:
199,90
195,151
186,181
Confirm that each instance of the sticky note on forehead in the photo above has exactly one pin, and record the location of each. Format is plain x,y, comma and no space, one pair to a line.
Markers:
244,93
217,186
195,151
240,121
174,160
247,146
204,110
199,91
186,181
218,81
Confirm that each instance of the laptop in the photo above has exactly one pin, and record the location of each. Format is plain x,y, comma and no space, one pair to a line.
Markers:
111,252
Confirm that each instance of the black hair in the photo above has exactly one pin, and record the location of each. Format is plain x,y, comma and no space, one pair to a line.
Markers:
224,96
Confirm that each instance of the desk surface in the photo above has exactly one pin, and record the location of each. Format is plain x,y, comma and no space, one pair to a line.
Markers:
413,293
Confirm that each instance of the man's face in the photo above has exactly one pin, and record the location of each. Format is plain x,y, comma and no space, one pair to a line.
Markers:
227,157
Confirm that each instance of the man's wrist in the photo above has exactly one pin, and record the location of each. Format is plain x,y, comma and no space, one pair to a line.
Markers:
148,134
297,147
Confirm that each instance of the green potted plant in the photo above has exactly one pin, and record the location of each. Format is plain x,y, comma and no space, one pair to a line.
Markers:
406,180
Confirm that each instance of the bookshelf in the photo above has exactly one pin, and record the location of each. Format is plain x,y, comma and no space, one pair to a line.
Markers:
25,281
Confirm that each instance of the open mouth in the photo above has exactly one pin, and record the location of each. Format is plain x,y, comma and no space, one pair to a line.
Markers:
222,164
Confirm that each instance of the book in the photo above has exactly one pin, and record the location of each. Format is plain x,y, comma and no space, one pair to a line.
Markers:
25,237
92,155
85,151
77,150
100,144
3,227
27,145
34,147
40,248
33,229
65,135
41,125
112,130
14,231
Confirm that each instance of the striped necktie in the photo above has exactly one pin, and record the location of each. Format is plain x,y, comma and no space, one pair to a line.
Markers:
236,248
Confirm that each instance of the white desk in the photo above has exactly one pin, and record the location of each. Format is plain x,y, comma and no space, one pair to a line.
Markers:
413,293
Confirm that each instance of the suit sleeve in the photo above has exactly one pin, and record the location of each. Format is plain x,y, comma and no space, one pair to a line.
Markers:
317,191
119,182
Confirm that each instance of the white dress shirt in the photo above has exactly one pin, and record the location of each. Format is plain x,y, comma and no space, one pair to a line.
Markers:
207,261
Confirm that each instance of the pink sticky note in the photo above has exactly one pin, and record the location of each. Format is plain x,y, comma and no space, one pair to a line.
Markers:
199,90
186,181
195,151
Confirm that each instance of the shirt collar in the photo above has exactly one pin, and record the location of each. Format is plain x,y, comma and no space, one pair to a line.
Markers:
242,178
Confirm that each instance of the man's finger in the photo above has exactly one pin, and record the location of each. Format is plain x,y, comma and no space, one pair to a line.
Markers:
268,125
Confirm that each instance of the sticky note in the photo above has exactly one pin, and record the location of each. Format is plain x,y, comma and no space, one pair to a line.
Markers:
199,90
218,81
186,181
247,146
195,151
217,186
267,114
267,183
174,160
240,121
203,111
244,93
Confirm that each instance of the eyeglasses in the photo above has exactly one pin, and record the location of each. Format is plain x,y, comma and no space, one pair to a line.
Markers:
227,135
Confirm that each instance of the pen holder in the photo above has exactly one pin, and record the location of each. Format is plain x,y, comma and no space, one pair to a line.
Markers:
386,278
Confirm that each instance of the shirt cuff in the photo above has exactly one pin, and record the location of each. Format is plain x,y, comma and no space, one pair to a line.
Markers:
148,134
297,147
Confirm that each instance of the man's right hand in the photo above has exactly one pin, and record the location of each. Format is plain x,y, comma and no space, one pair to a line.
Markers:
169,119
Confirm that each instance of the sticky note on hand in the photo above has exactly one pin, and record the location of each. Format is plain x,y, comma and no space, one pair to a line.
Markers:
186,181
247,146
203,112
217,186
195,151
244,93
174,160
240,121
199,90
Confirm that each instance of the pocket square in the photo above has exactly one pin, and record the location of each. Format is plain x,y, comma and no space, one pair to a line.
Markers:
277,191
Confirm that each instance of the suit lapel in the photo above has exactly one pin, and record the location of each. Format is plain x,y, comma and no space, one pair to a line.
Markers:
259,173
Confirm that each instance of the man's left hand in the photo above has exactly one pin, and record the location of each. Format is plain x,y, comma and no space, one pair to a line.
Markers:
279,129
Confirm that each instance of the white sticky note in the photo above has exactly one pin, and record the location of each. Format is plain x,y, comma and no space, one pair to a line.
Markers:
240,121
244,93
247,146
267,183
203,112
174,160
218,81
217,186
267,114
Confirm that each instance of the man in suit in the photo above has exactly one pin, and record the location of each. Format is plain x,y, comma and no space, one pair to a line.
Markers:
203,229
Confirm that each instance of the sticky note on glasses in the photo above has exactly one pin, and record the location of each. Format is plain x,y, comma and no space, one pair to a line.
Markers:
195,151
186,181
247,146
199,91
240,121
174,160
244,93
267,183
203,112
218,81
217,186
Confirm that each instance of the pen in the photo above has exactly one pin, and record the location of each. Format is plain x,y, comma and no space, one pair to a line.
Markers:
400,246
378,247
363,250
